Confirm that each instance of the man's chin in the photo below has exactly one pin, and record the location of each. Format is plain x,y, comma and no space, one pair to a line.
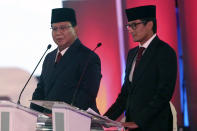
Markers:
61,44
135,40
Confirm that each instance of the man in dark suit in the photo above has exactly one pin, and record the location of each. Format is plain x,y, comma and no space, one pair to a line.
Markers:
151,72
72,72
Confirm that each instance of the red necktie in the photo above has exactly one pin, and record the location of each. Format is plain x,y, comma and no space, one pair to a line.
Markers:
139,55
59,56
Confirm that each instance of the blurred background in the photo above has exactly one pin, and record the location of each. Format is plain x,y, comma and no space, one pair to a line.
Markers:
25,33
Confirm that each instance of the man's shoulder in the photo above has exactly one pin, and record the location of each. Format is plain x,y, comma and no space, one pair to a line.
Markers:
164,45
51,53
165,48
84,51
133,50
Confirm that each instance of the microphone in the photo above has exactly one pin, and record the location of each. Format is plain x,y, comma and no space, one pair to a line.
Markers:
84,69
98,45
18,102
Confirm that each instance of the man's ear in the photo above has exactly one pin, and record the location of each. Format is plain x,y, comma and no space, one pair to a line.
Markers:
76,29
150,24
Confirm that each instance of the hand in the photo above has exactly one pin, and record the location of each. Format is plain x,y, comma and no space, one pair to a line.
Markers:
105,117
130,125
105,124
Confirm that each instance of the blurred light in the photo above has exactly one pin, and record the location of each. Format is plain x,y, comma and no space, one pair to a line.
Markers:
25,32
121,38
183,93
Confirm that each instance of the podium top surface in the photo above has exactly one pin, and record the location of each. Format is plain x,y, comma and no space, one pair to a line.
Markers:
95,117
7,103
58,104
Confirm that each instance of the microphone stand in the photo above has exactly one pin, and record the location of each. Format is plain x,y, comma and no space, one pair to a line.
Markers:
78,84
18,102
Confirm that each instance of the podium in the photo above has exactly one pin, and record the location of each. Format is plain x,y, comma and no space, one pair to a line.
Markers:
69,118
66,119
14,117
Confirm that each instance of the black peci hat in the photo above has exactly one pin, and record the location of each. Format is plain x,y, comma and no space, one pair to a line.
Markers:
63,14
141,12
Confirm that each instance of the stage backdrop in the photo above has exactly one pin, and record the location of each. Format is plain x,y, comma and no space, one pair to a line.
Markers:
188,25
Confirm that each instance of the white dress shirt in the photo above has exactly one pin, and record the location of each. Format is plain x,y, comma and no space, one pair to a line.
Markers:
145,45
62,52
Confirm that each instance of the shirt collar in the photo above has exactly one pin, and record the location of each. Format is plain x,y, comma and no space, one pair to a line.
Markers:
63,51
147,43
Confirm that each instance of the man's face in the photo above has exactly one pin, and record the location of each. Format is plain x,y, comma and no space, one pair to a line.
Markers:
63,34
139,31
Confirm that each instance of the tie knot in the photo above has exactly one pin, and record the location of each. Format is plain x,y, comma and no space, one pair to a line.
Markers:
139,53
58,57
141,49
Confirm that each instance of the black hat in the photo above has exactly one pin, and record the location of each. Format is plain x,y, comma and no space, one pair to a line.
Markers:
141,12
63,14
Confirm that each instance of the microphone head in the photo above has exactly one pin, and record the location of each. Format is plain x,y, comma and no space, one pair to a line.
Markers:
99,44
49,46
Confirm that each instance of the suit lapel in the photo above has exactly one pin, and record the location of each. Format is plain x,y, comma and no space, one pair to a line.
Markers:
149,53
64,62
51,65
130,61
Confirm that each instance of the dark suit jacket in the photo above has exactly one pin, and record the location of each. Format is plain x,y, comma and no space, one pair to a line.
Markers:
58,82
146,98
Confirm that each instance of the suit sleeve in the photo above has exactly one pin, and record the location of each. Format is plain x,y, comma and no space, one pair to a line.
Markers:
39,91
167,72
119,106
